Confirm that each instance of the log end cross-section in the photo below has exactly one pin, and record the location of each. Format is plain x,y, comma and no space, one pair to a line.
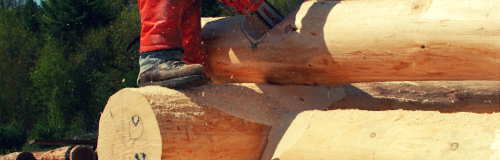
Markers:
169,125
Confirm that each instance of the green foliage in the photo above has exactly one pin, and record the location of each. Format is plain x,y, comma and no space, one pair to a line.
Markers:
60,63
12,137
30,16
68,19
9,4
211,8
48,127
16,59
285,7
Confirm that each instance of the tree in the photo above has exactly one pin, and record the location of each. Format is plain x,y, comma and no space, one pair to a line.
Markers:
16,47
30,15
69,19
9,4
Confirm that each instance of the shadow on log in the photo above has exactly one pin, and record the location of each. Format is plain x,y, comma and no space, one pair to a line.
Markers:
442,96
344,42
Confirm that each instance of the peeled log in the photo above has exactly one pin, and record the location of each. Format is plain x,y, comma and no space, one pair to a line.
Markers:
391,135
229,121
333,43
442,96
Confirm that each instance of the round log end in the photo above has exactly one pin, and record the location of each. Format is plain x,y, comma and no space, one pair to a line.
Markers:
82,153
26,156
128,128
160,123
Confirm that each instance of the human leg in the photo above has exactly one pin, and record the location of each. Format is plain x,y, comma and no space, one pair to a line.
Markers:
162,46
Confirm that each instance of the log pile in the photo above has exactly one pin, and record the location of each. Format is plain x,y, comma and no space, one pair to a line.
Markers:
18,156
328,43
218,122
79,152
191,122
70,153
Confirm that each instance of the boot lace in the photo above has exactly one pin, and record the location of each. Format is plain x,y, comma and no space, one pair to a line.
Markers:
178,64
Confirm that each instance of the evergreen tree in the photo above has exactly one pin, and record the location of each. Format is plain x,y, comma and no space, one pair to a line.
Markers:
30,14
17,46
68,19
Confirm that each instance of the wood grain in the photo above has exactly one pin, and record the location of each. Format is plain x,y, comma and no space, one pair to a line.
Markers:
343,42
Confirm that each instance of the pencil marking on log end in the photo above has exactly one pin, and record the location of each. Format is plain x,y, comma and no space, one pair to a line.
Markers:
140,156
136,129
135,120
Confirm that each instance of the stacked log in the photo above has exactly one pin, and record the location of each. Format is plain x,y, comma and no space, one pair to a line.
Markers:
19,156
209,122
328,43
253,115
366,104
442,96
357,134
344,42
79,152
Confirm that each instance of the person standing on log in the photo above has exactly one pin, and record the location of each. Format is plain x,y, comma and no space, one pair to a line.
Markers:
171,53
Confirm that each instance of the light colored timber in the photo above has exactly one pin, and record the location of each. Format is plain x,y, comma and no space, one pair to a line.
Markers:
391,135
343,42
229,121
263,105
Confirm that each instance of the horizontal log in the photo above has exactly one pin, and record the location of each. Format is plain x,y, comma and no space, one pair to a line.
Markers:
343,42
18,156
229,121
387,135
79,152
442,96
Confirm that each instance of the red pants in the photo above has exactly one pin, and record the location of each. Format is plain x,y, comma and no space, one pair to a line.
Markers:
168,24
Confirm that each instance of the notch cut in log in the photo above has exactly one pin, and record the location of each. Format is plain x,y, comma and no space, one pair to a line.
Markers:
386,135
343,42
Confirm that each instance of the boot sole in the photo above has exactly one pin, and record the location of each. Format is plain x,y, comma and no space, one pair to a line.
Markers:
182,82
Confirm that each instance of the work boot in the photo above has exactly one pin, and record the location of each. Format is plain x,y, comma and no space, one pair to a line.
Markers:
165,68
174,74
